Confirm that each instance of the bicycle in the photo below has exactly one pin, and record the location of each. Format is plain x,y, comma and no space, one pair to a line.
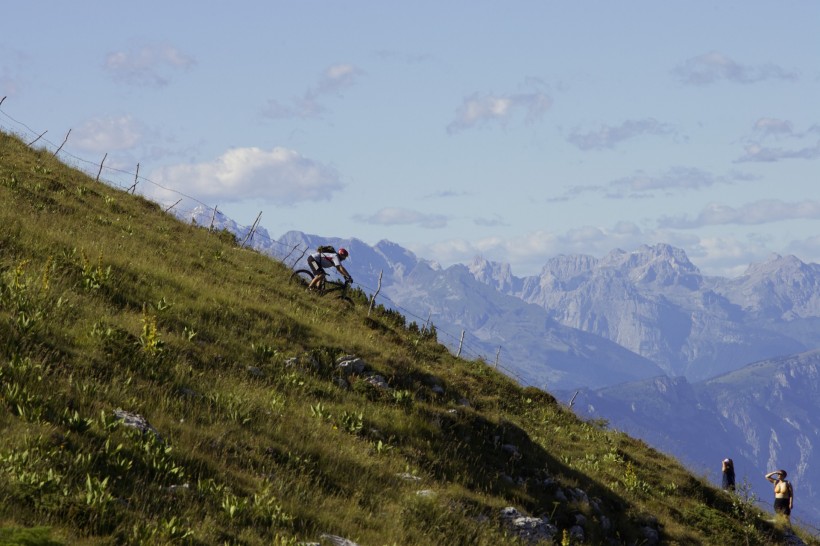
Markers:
302,277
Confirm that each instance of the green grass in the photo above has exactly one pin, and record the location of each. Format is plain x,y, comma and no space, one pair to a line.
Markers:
107,303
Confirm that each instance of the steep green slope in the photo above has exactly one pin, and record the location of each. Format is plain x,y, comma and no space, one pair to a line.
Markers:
271,416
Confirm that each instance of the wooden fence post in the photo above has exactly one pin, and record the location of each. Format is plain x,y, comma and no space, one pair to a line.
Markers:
63,144
496,356
460,344
172,206
373,298
133,189
38,137
213,217
101,164
253,228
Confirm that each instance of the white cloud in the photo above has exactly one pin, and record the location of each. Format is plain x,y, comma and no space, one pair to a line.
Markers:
338,77
279,175
713,66
606,137
391,216
108,134
772,126
644,185
477,110
334,79
725,256
772,129
755,152
495,221
148,66
674,178
759,212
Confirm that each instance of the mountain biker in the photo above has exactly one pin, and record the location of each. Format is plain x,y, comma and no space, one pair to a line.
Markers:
318,261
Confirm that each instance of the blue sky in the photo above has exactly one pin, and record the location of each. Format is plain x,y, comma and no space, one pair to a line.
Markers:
512,130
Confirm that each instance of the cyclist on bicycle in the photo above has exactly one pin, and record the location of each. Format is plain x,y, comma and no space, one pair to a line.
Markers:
318,261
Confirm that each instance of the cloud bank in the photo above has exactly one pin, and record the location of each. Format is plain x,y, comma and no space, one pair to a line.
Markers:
279,175
393,216
309,105
149,66
760,212
607,137
482,110
713,67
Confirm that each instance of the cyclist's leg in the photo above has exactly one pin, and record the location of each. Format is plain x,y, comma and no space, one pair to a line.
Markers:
318,274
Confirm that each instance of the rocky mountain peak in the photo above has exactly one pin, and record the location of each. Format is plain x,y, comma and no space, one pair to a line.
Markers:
783,287
660,265
497,275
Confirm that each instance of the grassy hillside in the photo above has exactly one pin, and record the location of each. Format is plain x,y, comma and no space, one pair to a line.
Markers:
253,432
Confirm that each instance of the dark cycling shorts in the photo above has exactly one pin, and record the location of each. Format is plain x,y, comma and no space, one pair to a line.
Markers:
781,506
315,267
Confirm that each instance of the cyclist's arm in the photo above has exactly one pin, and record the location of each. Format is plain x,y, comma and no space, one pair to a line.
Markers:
344,272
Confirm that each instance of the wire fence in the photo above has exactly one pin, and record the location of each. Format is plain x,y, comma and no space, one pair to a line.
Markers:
187,206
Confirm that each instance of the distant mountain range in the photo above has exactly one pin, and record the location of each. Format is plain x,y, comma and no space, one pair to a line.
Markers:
648,342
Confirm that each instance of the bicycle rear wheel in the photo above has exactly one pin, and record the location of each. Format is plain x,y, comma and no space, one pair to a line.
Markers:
301,277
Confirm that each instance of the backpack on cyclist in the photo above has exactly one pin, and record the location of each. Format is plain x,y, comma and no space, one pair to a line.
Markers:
326,249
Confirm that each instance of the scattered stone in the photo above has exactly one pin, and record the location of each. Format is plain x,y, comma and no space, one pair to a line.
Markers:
409,477
510,513
350,365
304,363
378,381
579,495
255,372
511,450
337,540
530,530
426,493
135,420
651,535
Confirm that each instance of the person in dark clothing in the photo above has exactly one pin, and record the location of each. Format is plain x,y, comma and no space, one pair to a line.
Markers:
728,482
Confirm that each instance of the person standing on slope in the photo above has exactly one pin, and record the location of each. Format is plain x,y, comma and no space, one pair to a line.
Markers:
728,482
783,493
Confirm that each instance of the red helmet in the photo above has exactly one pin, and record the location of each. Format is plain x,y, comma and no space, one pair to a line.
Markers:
342,253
